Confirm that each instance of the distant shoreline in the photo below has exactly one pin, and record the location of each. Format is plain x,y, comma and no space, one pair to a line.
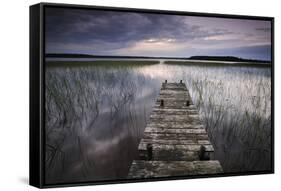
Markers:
142,62
229,59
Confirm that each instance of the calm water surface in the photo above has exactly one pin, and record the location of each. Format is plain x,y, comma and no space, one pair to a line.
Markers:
96,115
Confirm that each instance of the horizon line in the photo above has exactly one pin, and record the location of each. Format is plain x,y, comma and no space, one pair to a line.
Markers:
167,57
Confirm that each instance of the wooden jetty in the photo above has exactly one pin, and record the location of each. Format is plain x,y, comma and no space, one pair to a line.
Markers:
175,142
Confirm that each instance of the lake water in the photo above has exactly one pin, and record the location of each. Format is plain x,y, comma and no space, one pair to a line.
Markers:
96,115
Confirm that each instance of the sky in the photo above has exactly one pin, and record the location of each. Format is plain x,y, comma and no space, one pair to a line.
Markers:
100,32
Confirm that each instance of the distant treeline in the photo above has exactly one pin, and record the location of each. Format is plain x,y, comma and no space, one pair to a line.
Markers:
226,58
105,56
211,58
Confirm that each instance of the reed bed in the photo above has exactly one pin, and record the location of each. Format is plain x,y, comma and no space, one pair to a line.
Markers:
95,115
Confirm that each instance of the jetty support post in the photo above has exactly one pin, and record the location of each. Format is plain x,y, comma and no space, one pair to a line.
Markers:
203,154
149,151
162,103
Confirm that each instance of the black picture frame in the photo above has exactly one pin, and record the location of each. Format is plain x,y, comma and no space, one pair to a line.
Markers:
37,88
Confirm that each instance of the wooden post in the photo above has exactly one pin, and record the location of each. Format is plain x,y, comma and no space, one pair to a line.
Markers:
149,151
203,155
161,102
187,103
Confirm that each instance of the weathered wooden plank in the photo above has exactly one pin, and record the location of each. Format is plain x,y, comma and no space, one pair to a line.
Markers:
174,97
175,117
157,111
173,92
175,154
175,131
175,142
171,106
183,148
186,114
189,108
175,84
178,113
203,136
171,95
171,85
173,101
148,169
168,111
164,120
170,155
174,125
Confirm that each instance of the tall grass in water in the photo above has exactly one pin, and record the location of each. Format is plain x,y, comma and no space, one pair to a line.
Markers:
94,121
95,116
235,106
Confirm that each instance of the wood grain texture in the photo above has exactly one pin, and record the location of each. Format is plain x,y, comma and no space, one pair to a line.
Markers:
175,142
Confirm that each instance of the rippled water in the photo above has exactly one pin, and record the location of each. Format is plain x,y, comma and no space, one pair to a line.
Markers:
95,116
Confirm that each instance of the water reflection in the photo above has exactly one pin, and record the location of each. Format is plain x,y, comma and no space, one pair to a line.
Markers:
95,116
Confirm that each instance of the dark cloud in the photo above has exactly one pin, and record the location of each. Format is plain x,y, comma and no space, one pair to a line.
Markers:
127,33
115,30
